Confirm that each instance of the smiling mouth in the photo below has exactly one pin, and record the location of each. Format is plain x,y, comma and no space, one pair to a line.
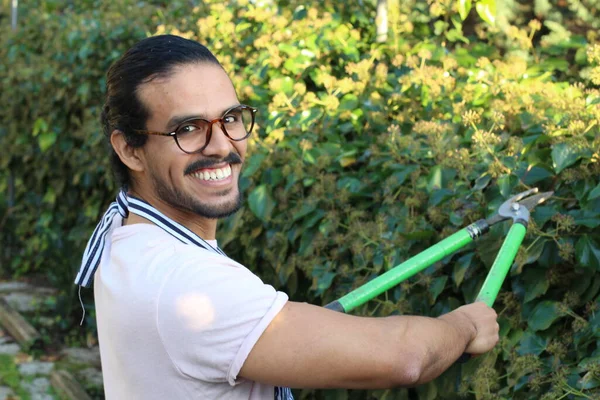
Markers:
213,174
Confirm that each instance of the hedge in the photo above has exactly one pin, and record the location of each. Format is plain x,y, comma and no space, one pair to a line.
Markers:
366,154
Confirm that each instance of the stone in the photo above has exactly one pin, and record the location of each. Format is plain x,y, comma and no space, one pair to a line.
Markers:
36,368
11,287
10,349
91,376
7,287
83,356
38,389
6,339
22,302
5,393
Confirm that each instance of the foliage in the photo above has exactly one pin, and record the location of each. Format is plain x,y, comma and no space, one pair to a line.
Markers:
10,377
366,155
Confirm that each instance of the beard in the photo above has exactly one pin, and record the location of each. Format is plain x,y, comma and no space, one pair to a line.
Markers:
183,201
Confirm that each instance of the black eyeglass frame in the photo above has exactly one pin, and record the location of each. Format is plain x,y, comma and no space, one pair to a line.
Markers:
210,125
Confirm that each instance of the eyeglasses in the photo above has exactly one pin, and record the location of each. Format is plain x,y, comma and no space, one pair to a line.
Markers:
193,135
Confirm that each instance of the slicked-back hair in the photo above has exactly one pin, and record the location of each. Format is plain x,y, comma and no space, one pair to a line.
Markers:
150,58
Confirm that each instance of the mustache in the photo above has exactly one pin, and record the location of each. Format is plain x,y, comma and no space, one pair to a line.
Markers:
231,158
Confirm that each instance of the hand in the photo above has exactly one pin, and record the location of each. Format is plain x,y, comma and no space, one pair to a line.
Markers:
483,319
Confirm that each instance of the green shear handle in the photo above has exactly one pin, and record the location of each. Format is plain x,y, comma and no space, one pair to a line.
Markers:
504,259
516,208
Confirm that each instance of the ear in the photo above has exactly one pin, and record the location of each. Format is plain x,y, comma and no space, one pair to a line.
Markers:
130,156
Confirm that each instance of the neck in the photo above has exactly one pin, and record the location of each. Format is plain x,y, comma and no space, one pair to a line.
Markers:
206,228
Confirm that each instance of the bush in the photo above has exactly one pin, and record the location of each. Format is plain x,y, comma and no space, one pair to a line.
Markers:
367,154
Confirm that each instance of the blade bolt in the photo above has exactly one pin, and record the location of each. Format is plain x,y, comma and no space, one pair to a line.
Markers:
515,207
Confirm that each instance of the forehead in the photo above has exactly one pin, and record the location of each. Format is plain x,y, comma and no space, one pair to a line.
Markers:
192,89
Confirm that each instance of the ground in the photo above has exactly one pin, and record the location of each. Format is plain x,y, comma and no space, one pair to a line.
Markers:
25,373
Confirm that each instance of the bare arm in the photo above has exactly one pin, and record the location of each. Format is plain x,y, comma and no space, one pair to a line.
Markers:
309,346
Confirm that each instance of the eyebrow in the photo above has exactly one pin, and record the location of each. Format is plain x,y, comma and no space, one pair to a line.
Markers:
178,119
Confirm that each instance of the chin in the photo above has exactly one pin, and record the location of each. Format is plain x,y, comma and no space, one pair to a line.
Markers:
217,211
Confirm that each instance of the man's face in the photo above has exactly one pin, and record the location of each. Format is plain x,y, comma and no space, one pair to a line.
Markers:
178,179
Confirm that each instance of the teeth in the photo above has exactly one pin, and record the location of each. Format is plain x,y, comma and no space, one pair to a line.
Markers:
215,174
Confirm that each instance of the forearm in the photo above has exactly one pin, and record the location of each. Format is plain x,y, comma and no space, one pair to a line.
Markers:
436,342
309,346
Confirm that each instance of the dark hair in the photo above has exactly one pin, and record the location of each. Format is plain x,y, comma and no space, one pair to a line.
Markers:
152,57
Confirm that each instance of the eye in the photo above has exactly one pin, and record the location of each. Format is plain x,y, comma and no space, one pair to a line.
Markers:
232,118
188,128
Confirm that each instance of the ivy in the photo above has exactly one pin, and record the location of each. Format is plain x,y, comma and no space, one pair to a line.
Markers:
365,154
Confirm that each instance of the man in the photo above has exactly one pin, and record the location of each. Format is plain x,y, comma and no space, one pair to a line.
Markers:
178,319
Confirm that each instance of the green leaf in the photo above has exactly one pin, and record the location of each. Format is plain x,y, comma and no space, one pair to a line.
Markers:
322,277
460,268
482,182
309,157
50,196
351,184
349,102
587,218
456,219
594,193
253,164
531,343
507,183
437,286
261,203
535,284
543,214
464,7
434,181
592,290
555,64
399,177
587,252
287,85
300,13
324,281
39,126
309,222
589,381
46,139
487,10
428,391
455,35
440,26
535,174
543,315
564,155
439,196
306,209
439,178
535,251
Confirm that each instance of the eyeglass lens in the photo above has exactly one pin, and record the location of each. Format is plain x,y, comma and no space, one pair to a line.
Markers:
237,124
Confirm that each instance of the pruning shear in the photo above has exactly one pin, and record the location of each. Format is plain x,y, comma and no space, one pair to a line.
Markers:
516,208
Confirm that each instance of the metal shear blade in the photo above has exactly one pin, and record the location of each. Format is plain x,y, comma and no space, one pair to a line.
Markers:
519,206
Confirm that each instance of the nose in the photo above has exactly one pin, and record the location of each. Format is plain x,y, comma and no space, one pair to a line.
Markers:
219,144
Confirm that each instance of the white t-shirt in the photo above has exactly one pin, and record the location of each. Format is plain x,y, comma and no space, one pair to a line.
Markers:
177,321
